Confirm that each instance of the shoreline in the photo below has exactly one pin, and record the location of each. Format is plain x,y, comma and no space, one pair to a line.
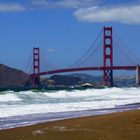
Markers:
123,126
33,119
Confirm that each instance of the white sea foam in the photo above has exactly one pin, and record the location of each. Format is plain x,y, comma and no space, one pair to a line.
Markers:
30,102
9,97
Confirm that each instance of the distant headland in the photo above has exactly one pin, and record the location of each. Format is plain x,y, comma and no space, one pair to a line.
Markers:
14,78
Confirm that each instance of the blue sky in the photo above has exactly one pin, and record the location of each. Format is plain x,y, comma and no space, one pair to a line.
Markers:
63,29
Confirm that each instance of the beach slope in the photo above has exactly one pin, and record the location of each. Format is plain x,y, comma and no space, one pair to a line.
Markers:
115,126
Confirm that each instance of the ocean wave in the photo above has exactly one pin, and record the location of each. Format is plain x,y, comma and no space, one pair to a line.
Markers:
31,102
9,97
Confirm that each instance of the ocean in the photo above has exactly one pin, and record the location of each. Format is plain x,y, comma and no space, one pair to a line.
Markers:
35,106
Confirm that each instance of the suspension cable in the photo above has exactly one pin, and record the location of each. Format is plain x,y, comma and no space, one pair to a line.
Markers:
48,65
90,54
123,44
83,56
122,49
28,66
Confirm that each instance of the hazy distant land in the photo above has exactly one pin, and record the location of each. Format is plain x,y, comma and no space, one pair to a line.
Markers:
14,78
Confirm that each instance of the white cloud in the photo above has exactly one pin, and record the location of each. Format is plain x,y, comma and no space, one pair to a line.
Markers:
11,7
50,50
123,14
64,3
85,10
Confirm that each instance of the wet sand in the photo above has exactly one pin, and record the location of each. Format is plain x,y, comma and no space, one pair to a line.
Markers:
115,126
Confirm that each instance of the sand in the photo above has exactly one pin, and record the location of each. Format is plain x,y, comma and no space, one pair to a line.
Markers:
115,126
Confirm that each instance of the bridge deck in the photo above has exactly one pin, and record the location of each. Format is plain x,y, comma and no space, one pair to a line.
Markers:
85,69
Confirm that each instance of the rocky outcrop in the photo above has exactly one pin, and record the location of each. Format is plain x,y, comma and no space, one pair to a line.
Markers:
13,78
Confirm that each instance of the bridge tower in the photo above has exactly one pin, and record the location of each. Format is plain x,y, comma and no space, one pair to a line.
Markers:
137,75
36,67
108,56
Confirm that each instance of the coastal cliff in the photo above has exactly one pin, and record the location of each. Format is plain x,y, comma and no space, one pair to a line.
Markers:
12,78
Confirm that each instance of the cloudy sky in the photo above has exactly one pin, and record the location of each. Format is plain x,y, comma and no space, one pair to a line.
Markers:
63,29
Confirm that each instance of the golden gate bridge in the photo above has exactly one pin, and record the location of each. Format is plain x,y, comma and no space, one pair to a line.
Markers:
107,67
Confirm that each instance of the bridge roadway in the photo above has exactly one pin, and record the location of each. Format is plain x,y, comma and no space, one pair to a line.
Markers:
84,69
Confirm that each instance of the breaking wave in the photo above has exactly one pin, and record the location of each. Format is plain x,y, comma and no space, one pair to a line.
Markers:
31,102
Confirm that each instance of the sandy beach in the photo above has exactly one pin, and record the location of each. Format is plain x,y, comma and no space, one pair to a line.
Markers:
115,126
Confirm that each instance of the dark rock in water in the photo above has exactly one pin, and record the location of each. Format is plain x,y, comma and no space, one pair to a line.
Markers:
13,78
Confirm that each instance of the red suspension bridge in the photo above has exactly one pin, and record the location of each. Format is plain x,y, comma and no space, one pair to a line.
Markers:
107,67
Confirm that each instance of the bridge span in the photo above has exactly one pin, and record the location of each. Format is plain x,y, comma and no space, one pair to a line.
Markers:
107,67
85,69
